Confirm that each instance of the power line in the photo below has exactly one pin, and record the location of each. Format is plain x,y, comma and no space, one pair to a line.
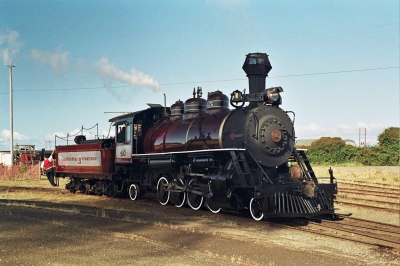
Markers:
336,72
223,80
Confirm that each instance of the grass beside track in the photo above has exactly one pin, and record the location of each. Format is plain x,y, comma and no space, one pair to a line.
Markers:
388,175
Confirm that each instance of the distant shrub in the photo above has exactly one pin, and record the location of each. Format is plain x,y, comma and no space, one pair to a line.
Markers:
390,137
328,150
327,143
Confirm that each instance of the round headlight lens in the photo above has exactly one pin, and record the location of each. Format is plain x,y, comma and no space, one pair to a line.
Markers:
274,96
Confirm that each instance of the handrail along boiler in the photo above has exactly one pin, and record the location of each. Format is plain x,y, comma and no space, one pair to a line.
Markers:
202,153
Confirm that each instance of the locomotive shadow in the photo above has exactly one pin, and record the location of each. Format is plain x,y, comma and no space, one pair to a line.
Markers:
31,224
65,210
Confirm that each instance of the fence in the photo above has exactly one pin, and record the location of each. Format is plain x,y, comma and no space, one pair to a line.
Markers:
20,172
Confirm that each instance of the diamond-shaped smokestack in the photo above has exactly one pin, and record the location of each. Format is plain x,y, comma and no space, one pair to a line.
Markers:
256,67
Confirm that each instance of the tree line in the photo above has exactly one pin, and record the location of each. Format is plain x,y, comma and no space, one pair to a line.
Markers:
334,151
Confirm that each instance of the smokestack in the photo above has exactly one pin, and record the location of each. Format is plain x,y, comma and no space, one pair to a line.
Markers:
256,67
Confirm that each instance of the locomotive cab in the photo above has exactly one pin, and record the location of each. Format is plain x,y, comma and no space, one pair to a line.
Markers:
130,130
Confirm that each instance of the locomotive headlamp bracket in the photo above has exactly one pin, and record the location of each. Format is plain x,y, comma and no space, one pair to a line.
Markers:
268,96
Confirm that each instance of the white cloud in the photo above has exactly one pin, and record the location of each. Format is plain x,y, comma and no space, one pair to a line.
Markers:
109,72
344,127
311,129
5,136
75,132
105,133
9,45
49,139
18,138
57,60
71,134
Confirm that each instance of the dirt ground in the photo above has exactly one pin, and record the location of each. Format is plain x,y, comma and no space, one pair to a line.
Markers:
73,229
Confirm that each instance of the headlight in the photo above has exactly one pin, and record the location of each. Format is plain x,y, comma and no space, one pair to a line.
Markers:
273,95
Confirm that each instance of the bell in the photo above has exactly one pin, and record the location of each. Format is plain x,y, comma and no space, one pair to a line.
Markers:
237,96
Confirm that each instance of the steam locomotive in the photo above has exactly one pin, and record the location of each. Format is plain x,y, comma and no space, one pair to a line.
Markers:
201,153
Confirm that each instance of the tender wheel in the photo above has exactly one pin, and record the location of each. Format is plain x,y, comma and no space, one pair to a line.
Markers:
195,201
212,206
256,209
178,198
133,191
98,188
163,193
112,190
84,188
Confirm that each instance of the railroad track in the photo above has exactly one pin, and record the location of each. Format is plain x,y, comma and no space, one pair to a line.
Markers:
370,201
370,193
371,188
396,210
382,226
371,197
349,181
358,230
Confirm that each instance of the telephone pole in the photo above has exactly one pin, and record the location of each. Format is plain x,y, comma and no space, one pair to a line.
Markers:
359,137
11,116
365,137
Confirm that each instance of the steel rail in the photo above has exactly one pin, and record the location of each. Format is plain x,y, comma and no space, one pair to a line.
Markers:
367,206
375,229
369,193
395,204
379,188
319,232
348,181
361,234
369,221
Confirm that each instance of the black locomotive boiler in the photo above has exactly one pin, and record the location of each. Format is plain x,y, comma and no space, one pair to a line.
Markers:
202,153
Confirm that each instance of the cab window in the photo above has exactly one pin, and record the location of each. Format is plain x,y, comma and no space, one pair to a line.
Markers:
124,133
121,134
128,133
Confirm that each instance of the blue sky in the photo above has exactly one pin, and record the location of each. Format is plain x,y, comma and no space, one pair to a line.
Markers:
337,61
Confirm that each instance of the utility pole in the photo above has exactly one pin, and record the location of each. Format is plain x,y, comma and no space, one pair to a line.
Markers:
359,137
11,115
365,137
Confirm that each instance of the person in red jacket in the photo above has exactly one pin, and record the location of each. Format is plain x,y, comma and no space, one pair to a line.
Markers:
47,167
